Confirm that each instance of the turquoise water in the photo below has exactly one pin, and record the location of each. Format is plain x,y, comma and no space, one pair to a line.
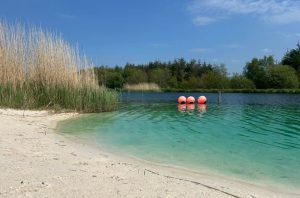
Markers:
253,137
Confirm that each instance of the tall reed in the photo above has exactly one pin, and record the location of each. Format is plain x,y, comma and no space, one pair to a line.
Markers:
38,69
142,87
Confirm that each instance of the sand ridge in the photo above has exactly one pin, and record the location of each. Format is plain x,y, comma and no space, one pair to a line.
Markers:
35,161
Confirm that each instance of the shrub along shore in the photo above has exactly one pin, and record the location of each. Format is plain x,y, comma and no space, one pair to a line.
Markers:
167,90
152,87
39,70
267,91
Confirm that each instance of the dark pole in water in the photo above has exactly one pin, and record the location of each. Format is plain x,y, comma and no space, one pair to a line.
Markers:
219,98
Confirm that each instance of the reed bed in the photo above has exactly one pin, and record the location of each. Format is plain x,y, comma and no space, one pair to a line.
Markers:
38,69
142,87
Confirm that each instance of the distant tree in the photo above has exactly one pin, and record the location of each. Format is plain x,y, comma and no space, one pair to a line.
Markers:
109,77
101,74
192,83
159,76
137,76
282,76
190,69
214,80
210,80
292,58
179,65
238,81
156,64
256,71
128,69
172,82
114,80
179,73
134,74
203,68
221,75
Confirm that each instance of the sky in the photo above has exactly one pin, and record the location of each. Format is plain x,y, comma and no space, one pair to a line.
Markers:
115,32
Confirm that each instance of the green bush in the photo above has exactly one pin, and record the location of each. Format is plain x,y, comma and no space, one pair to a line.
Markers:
37,96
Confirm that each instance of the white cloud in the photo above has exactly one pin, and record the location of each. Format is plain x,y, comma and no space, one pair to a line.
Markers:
272,11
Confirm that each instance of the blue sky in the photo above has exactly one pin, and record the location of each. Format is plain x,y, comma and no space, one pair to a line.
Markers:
113,32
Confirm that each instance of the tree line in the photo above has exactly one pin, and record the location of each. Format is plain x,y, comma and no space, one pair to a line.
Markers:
259,73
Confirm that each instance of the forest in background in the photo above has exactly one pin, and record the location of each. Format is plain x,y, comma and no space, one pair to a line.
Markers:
180,74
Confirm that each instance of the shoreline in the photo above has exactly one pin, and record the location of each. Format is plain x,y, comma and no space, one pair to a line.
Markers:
36,161
246,91
205,171
267,183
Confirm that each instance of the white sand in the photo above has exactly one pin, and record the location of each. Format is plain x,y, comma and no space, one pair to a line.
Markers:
37,162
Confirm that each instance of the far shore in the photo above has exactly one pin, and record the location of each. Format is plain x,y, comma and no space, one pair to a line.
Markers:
35,161
265,91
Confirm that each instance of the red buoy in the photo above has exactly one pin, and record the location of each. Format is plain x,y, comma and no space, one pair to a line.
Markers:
182,100
190,100
202,100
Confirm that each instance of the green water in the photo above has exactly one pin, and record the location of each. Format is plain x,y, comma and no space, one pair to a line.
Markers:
256,142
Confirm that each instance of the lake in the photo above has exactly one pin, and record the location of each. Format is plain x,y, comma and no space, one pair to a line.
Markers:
255,137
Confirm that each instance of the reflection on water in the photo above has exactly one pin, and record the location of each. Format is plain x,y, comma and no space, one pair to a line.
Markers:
202,108
191,107
181,107
249,140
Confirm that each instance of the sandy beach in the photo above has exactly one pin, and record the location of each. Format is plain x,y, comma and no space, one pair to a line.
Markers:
35,161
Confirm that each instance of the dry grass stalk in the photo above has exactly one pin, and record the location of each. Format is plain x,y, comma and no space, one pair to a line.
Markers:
31,54
38,69
142,87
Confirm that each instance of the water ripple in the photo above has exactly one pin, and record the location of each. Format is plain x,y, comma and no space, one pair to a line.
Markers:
261,141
